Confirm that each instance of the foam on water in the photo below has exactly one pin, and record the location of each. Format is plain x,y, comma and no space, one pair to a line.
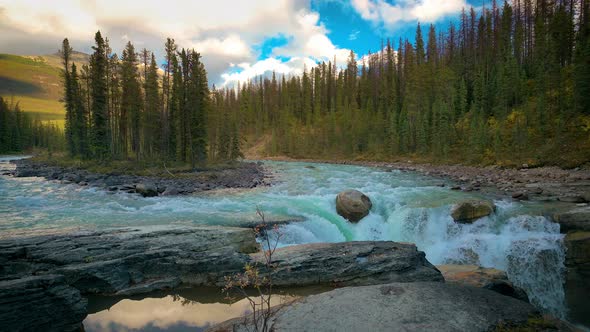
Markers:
406,207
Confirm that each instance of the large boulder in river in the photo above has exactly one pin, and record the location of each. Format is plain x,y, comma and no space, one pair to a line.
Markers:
415,306
353,205
146,189
471,210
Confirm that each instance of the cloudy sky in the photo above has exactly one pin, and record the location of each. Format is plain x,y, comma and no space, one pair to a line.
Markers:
238,39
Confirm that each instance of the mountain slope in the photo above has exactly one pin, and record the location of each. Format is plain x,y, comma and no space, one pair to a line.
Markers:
35,82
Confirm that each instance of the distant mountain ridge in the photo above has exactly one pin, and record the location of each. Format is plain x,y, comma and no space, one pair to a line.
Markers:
35,82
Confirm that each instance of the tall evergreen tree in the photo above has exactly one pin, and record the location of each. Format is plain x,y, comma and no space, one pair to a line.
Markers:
99,129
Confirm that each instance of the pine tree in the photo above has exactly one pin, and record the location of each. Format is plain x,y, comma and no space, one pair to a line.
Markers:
98,62
131,101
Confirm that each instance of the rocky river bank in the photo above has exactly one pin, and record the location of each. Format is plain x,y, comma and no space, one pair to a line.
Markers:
524,183
243,175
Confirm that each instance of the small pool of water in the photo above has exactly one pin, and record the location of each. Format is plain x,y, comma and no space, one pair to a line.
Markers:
183,310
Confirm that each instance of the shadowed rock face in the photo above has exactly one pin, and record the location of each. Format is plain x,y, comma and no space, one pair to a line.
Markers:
577,286
40,303
131,261
417,306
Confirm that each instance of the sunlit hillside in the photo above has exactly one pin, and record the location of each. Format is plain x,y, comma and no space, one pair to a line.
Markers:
34,82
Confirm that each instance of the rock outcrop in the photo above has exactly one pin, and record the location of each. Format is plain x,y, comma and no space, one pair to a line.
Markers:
129,261
353,205
577,286
350,263
471,210
40,303
417,306
576,223
111,261
477,276
574,220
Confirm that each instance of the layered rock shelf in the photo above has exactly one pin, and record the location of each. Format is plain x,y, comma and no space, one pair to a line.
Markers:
138,260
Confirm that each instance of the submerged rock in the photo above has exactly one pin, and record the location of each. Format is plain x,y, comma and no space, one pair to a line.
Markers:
40,303
471,210
353,205
418,306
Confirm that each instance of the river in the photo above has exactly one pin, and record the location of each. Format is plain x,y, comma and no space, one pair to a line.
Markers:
407,207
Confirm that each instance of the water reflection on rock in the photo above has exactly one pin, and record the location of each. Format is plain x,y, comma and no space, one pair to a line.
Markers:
189,310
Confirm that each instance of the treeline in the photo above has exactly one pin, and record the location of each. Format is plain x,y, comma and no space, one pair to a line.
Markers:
19,132
128,108
510,84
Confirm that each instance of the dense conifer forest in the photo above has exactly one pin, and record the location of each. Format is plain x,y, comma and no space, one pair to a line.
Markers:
19,132
507,85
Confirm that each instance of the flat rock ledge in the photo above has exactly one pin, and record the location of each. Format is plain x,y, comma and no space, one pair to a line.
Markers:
417,306
129,261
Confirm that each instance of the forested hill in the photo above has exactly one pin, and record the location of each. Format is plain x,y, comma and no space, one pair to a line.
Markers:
34,82
509,85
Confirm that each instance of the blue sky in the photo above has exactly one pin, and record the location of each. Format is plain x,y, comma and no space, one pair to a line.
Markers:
348,29
237,39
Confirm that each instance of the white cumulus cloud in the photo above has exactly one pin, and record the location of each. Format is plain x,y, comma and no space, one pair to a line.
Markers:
389,15
223,31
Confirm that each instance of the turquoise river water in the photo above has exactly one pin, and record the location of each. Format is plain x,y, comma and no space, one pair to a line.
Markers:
407,207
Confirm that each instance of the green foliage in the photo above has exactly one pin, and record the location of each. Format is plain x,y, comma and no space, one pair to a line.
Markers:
509,86
99,129
19,133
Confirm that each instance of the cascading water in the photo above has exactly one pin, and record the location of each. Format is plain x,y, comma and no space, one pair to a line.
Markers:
406,207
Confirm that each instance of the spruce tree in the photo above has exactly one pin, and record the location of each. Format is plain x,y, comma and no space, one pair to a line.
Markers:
99,130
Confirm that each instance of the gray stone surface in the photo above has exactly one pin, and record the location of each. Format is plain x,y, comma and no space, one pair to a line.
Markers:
130,261
113,260
418,306
350,263
477,276
40,303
